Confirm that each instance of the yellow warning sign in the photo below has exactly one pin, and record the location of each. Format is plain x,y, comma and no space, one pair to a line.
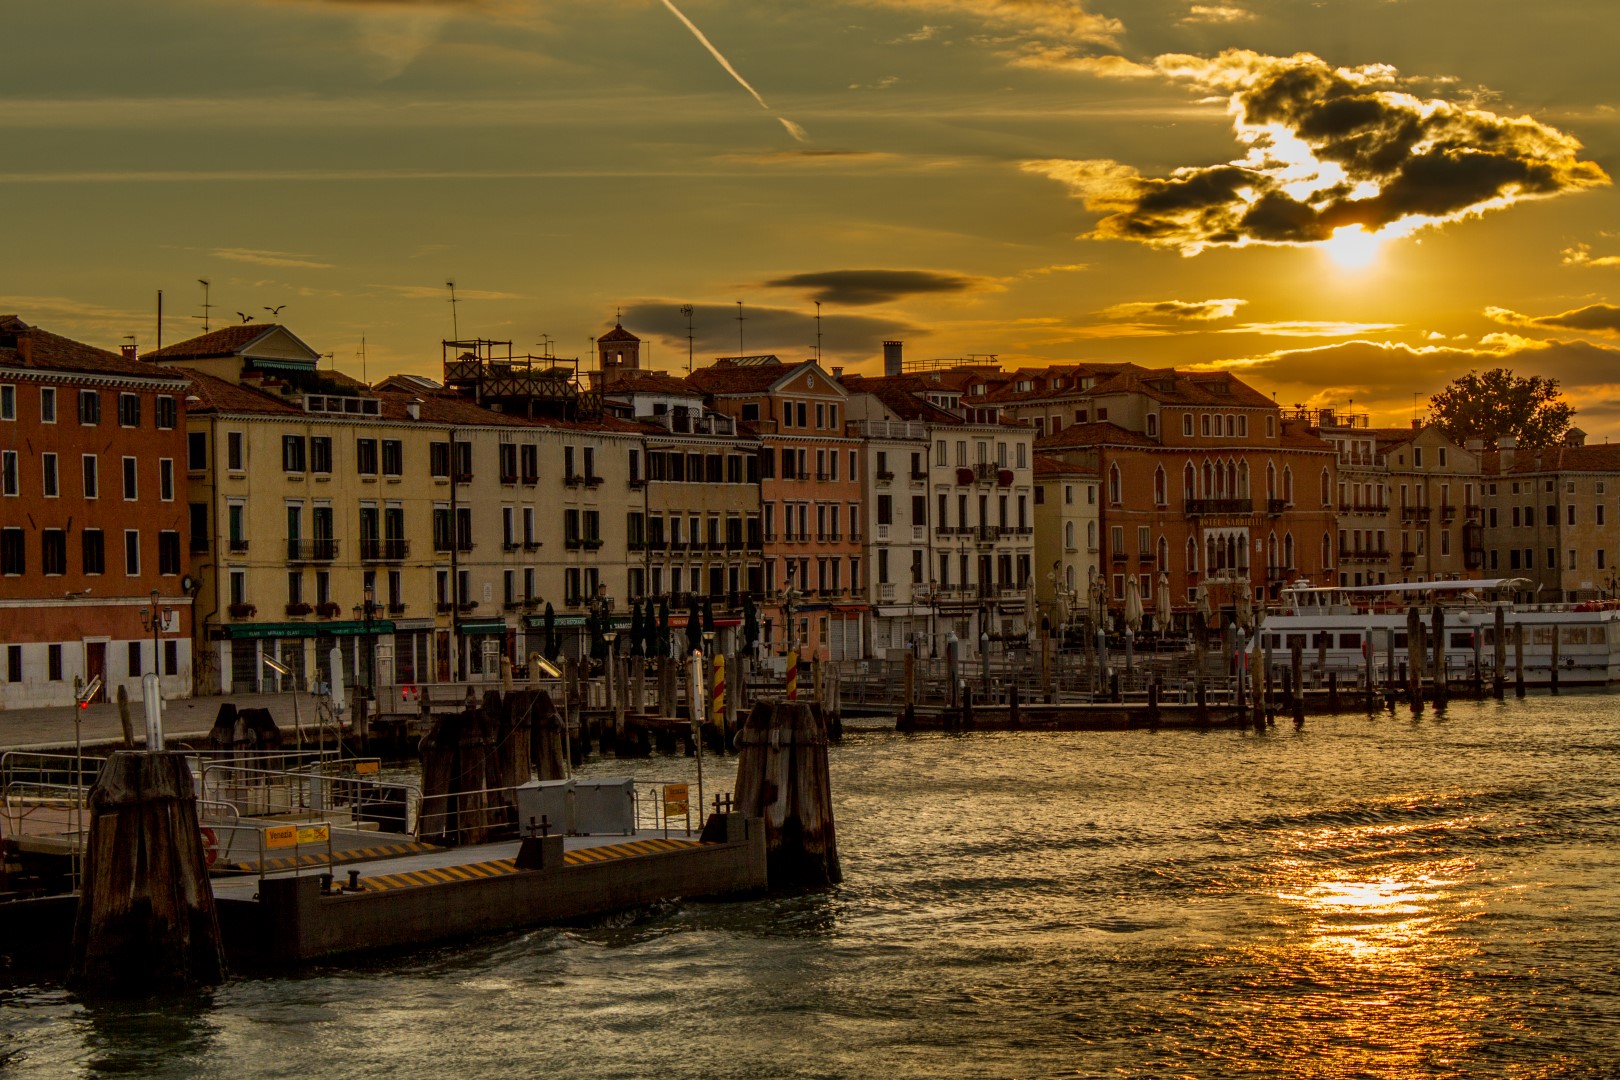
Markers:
363,768
285,836
675,800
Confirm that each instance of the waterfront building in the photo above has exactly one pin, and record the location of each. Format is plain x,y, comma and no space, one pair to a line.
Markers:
1549,519
695,529
810,499
1408,501
1067,533
94,574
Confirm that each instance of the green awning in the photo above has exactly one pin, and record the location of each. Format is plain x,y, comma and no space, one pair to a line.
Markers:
482,626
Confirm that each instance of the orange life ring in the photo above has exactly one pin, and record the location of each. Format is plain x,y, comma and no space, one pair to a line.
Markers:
210,846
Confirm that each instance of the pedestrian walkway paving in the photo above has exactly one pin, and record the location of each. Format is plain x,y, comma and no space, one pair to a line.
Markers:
187,719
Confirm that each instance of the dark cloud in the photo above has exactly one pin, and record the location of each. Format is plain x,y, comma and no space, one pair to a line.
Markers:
788,332
858,288
1329,148
1592,319
1175,310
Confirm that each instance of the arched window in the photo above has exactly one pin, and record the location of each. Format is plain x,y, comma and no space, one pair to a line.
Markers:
1114,487
1231,426
1209,481
1271,481
1091,536
1243,427
1152,424
1288,484
1187,424
1231,481
1068,577
1271,552
1288,550
1068,535
1161,494
1205,425
1243,480
1192,555
1189,482
1164,554
1327,488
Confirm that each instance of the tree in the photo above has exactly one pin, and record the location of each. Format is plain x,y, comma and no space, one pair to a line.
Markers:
1500,403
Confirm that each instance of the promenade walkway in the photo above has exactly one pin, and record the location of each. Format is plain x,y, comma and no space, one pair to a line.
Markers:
186,719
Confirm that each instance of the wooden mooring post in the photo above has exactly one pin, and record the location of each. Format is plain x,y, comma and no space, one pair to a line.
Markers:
782,777
1296,691
1552,673
1415,652
1499,653
146,921
1442,691
1518,660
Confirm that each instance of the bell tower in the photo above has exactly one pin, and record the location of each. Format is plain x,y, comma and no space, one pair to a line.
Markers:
618,348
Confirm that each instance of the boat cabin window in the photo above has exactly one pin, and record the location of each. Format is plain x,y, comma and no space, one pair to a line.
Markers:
1349,641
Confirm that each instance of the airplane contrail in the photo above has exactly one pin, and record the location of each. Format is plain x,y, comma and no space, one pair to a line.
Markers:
792,129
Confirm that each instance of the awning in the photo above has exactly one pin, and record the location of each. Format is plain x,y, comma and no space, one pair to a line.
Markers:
299,629
482,626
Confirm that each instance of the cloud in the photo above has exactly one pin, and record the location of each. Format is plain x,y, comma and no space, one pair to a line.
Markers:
41,310
1328,149
1066,20
1300,328
1581,255
1054,58
1175,310
270,258
858,288
439,292
820,158
1217,14
1381,377
787,332
1592,319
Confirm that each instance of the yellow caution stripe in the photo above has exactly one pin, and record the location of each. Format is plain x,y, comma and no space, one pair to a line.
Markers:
352,855
444,875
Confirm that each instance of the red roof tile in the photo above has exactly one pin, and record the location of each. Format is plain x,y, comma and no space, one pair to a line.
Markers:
226,342
1099,433
22,345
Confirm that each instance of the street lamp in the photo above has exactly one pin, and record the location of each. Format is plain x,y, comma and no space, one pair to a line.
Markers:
284,672
369,603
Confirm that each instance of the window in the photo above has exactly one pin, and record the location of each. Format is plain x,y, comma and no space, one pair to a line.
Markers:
365,457
166,412
1187,424
53,661
131,493
129,410
233,451
168,553
53,551
393,457
132,552
196,451
47,409
1571,509
8,472
1204,425
1152,424
8,402
47,463
93,550
199,526
134,658
1115,489
293,454
1417,457
13,553
89,407
166,479
320,454
92,486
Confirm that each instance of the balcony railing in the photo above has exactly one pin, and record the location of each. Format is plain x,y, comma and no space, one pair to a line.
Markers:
1448,512
1220,506
985,472
1360,508
884,475
390,549
989,534
239,546
322,550
1276,506
1415,513
1408,559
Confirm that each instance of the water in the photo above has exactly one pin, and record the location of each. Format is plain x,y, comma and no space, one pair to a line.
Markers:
1366,898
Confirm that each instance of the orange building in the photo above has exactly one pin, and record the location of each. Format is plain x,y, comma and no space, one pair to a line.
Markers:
810,499
92,512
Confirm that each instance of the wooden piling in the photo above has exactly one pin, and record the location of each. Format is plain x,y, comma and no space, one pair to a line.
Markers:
1414,656
146,921
1499,653
1296,690
1153,704
1442,691
1333,691
1012,702
124,720
1518,660
1552,674
782,777
1201,711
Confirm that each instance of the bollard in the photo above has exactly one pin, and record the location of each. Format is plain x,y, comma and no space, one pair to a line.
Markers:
782,777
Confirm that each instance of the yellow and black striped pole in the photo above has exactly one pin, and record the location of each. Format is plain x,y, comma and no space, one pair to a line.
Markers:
793,675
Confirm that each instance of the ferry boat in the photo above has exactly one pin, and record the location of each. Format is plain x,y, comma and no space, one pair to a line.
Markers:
1346,622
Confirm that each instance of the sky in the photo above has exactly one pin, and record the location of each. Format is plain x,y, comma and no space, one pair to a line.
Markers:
1347,202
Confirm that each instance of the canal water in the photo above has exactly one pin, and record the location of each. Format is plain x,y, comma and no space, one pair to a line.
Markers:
1381,897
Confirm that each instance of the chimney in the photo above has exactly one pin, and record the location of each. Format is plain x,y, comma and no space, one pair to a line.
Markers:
891,357
1505,445
838,374
128,351
1474,445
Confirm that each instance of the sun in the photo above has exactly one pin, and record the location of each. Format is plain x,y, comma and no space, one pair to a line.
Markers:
1352,247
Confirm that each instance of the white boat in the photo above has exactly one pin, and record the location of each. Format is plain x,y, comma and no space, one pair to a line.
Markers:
1338,625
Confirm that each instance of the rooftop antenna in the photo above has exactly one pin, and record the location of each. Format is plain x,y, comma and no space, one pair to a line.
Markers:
160,319
455,325
206,305
544,343
818,331
739,328
686,309
363,359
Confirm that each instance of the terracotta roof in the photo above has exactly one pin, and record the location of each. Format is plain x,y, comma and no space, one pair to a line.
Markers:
227,342
900,394
218,395
618,333
22,345
1045,380
726,377
1097,433
1186,388
645,381
1305,440
1051,465
1598,457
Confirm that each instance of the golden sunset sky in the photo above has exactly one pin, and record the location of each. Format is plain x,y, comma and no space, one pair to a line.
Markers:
1345,200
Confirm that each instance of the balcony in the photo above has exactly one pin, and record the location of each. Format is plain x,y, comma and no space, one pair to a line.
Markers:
1276,506
1448,512
592,481
1369,508
1408,560
985,472
321,550
199,543
531,479
1414,513
299,608
1196,507
636,483
884,476
396,607
238,546
574,480
390,549
823,476
466,606
242,611
510,544
988,534
328,609
444,607
1118,557
531,544
512,605
1147,558
591,543
886,592
464,477
509,477
854,536
918,477
1363,555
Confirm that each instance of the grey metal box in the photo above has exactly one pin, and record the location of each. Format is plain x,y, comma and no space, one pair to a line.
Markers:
549,800
606,805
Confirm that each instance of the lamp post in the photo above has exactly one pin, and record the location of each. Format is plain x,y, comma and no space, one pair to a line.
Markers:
151,689
368,604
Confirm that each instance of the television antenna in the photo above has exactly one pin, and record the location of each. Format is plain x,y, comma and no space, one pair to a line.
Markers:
206,305
686,309
739,328
455,326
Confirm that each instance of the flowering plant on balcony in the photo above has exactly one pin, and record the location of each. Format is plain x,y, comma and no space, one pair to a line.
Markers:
329,610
